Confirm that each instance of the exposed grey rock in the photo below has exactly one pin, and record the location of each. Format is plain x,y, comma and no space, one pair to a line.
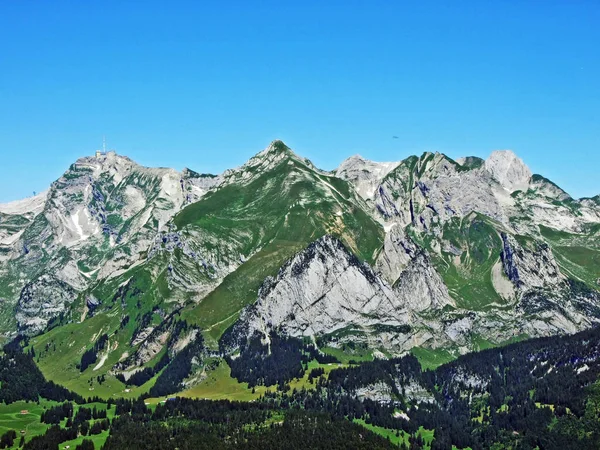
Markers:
429,190
40,301
397,252
544,187
461,377
531,268
377,392
426,193
408,268
416,393
92,303
421,287
365,175
510,171
95,222
107,215
325,289
432,189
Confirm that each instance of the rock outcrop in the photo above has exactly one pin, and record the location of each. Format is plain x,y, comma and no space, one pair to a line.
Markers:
365,175
432,189
509,170
322,289
325,291
530,265
40,301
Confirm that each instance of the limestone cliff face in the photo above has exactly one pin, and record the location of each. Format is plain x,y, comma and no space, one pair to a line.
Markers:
530,265
404,300
398,251
551,302
325,288
325,291
15,217
429,190
509,170
40,301
408,267
432,197
432,189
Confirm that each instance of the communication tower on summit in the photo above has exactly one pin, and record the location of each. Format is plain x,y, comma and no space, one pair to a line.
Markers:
102,152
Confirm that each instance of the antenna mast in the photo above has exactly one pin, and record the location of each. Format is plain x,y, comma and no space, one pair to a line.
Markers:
103,144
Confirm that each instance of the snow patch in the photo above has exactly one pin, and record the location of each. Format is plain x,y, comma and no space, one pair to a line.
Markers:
101,362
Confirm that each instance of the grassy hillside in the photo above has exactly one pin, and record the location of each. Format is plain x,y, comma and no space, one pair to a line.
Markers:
128,307
269,219
470,247
577,254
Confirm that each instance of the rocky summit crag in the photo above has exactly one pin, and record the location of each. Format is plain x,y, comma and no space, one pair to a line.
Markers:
376,258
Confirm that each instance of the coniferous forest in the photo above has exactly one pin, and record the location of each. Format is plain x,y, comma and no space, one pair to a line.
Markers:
541,393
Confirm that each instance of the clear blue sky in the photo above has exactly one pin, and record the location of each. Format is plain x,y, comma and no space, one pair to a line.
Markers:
208,84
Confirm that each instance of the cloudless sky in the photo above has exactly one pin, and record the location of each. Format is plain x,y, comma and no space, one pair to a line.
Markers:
207,84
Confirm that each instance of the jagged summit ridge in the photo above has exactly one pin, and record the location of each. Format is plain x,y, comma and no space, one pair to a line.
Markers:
425,224
328,287
371,260
431,189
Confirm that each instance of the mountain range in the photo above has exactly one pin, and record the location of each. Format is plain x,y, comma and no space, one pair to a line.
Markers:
117,269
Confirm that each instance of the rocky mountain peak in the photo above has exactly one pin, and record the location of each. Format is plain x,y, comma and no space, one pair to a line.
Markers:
353,160
438,254
276,149
364,174
471,162
268,159
509,170
545,187
278,145
106,162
